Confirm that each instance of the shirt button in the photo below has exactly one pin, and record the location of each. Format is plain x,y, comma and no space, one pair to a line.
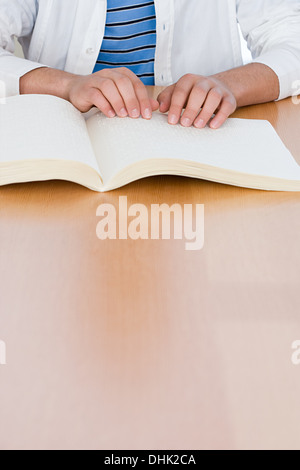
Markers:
90,50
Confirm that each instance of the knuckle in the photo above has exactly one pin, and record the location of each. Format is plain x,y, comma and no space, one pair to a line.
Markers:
179,92
123,80
189,76
105,73
117,102
144,102
115,99
106,84
216,93
223,114
132,103
201,87
230,99
175,108
192,109
206,114
139,86
201,79
125,71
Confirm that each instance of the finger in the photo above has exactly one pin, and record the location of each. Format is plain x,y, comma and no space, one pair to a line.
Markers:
110,91
154,104
164,99
97,99
141,93
212,102
129,94
143,98
147,105
197,97
228,106
179,99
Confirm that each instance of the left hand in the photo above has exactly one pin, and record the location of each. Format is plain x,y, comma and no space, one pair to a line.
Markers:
202,97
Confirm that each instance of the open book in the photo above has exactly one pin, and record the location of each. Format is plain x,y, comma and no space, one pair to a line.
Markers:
43,138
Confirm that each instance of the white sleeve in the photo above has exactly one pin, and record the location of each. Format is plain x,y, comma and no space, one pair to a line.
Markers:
17,19
272,30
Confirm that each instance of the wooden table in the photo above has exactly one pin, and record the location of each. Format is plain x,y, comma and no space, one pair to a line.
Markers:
141,344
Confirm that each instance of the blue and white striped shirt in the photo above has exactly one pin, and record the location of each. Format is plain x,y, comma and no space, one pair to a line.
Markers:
130,38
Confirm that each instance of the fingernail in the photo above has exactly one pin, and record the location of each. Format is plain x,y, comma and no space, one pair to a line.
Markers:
199,123
173,119
186,122
215,124
135,113
148,113
123,112
111,114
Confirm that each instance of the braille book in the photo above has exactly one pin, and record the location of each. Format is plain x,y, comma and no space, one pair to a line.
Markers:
44,138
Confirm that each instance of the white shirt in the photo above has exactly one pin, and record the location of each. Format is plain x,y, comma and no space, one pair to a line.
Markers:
193,36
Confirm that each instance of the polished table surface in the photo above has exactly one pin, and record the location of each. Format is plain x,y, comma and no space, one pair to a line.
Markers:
140,344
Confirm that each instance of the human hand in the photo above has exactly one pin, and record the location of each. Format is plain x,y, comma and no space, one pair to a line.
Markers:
202,97
114,92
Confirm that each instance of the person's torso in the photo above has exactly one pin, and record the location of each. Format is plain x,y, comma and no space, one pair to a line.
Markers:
130,38
193,36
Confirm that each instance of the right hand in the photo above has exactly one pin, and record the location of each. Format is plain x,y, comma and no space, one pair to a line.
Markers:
114,92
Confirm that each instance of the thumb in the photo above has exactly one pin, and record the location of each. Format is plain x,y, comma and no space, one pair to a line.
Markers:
164,98
154,104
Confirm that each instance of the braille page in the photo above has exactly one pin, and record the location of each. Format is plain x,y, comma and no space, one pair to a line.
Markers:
42,127
246,146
